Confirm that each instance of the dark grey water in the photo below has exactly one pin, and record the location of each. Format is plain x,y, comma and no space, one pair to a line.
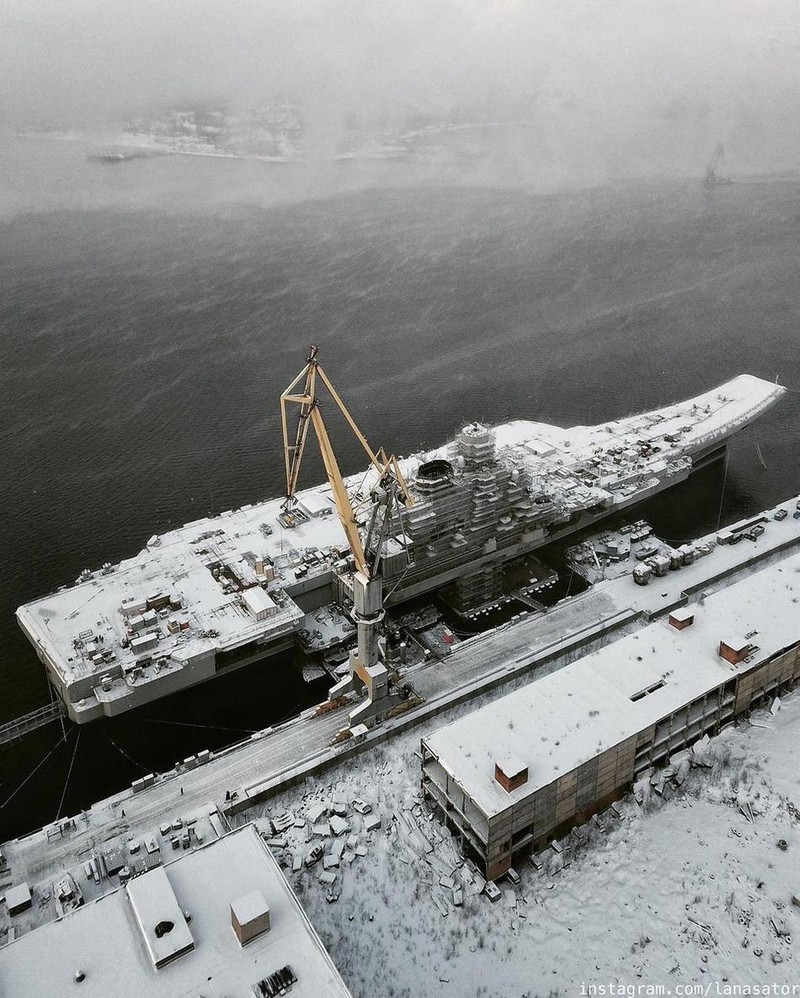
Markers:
144,343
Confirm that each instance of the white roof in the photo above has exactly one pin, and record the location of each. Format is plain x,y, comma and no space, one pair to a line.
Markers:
16,896
104,941
562,720
510,765
257,600
736,640
163,926
315,502
249,907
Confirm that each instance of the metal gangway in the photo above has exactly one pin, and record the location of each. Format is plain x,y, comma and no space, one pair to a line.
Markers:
20,726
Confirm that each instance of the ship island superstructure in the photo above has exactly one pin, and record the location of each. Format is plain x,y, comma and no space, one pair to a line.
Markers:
225,591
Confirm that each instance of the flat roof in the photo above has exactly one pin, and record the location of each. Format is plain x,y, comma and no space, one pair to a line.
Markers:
18,895
560,721
250,906
104,941
315,502
511,765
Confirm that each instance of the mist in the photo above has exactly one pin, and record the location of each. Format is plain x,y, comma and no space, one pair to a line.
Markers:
569,90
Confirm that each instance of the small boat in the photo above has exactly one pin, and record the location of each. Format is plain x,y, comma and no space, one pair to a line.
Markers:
114,157
713,178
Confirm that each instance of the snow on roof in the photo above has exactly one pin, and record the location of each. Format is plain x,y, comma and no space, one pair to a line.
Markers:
103,939
257,600
510,765
698,420
562,720
163,925
249,907
18,896
317,501
735,640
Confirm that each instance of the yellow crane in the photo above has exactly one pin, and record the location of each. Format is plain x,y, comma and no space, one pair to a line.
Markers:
390,475
390,490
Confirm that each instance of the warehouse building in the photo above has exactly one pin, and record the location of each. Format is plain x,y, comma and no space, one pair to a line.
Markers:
511,776
217,922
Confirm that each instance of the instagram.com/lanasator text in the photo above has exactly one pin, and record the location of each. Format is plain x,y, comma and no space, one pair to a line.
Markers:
712,989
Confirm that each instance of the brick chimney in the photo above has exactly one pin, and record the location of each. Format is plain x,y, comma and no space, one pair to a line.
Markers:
682,617
735,650
510,772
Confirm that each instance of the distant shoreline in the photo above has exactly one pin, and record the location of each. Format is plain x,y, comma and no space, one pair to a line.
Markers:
152,148
108,143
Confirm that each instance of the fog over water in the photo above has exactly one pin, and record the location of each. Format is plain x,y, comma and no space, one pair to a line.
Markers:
552,255
606,89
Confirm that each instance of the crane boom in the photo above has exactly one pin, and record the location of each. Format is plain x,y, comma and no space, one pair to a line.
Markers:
307,399
341,498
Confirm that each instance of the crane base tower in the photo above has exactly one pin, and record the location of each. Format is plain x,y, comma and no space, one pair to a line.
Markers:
368,674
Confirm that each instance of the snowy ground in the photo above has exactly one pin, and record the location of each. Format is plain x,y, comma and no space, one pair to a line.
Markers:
684,891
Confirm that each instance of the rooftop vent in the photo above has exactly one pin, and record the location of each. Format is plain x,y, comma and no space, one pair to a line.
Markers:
276,984
249,916
682,617
510,772
159,917
648,690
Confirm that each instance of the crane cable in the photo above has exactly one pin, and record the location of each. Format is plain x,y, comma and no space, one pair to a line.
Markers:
722,491
145,769
35,770
69,773
210,727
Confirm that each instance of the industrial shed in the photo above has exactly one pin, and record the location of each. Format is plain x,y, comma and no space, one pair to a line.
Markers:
259,603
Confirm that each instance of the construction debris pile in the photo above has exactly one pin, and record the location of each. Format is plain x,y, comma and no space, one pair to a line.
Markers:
329,831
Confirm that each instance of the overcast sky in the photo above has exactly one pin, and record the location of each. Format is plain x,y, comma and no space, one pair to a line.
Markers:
624,79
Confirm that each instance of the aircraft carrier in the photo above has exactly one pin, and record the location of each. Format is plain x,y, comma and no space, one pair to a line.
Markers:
225,591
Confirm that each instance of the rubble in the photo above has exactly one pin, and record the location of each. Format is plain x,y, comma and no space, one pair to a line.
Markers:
711,839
